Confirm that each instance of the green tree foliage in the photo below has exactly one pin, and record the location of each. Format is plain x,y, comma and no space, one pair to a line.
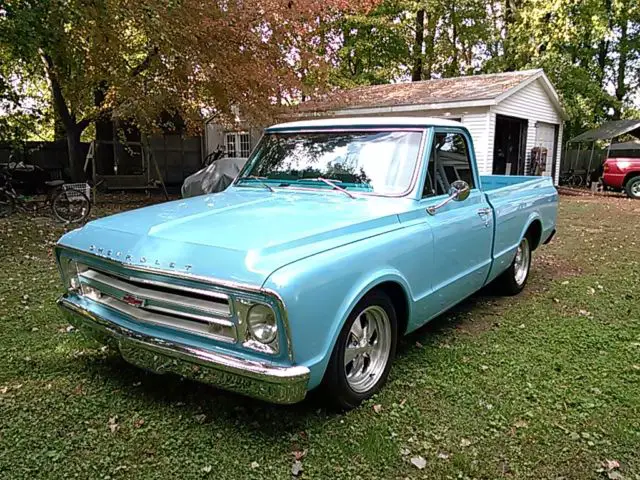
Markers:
590,49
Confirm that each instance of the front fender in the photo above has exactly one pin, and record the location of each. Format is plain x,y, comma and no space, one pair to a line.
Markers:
320,292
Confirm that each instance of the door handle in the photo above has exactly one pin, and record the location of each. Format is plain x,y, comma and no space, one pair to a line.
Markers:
483,212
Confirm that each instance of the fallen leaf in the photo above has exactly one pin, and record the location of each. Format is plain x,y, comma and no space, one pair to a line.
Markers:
465,443
443,456
201,418
405,452
113,424
615,475
207,469
418,462
254,465
611,464
138,423
296,468
377,408
521,424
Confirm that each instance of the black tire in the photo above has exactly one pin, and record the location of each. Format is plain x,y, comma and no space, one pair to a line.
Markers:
71,207
336,384
510,282
632,187
7,204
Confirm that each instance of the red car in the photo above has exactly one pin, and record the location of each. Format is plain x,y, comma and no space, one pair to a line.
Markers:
623,174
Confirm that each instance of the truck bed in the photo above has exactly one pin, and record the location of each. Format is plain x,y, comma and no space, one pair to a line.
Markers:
495,182
517,201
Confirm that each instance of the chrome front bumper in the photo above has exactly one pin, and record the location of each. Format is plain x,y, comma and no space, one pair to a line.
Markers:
252,378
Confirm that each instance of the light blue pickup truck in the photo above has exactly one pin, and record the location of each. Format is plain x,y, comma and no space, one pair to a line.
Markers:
336,238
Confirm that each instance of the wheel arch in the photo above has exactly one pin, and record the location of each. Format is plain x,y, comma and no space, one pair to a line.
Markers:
533,229
629,176
390,282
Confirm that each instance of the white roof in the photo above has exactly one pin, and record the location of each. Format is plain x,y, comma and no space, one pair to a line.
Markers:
368,122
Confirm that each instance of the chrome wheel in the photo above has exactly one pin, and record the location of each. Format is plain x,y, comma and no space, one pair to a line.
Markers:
635,189
367,349
521,262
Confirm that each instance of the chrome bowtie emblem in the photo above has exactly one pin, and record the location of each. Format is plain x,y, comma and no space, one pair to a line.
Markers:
133,301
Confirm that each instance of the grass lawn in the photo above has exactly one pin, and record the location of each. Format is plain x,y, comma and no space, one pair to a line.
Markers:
545,385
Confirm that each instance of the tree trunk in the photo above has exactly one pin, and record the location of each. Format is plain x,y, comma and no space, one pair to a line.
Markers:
603,46
429,46
454,69
621,86
416,74
76,161
510,16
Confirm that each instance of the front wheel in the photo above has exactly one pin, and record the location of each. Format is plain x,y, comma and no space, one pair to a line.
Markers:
7,204
514,278
71,206
364,351
633,187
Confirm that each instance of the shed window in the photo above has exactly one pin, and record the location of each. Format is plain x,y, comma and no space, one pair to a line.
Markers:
237,144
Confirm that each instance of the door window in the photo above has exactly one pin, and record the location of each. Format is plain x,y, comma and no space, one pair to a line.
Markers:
449,161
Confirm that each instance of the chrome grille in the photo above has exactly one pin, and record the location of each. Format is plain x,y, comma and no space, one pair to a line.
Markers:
183,308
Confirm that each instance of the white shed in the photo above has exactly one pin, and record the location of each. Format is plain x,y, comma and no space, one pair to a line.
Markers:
511,116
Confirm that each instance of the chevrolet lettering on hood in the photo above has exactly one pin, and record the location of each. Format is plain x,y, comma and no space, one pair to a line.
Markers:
118,256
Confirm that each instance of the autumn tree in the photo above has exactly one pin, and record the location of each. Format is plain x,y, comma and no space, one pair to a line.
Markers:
137,59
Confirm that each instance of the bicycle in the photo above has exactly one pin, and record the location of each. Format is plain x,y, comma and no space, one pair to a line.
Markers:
571,179
68,202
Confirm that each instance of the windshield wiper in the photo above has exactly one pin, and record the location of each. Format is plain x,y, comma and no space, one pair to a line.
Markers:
331,183
259,179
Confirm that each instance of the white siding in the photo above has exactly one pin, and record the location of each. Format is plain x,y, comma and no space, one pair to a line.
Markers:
477,124
531,103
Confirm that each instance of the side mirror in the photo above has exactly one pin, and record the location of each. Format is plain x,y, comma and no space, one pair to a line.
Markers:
459,190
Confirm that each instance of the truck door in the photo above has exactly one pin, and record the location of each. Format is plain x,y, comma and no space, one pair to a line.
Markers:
462,230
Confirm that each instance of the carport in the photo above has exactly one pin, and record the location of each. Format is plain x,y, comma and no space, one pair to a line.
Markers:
608,131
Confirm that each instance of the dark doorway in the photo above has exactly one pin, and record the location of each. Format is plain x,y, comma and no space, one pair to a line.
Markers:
509,146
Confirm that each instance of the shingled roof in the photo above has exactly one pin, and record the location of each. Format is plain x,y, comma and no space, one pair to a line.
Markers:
433,93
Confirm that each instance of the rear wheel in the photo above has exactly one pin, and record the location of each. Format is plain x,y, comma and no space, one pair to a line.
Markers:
7,204
633,187
576,181
363,354
514,278
71,206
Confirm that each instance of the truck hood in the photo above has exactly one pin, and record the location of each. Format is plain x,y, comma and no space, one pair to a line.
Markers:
240,235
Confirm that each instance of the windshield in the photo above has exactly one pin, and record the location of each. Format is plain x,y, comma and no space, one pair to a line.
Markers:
372,162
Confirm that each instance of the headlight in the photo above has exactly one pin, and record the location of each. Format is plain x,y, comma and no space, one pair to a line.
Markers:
70,269
261,322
